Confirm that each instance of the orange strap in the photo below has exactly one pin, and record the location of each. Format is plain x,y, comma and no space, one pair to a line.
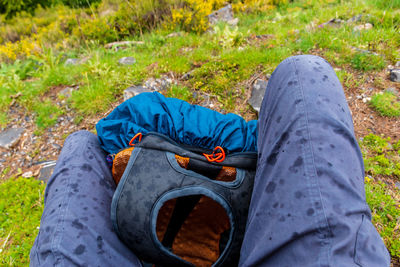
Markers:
216,157
133,139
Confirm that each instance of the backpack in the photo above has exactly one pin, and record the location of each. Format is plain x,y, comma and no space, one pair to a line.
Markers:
178,205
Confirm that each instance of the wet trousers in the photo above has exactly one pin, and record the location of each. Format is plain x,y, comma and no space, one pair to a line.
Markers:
308,205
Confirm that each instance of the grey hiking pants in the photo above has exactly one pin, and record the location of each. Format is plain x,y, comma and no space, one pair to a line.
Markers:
308,205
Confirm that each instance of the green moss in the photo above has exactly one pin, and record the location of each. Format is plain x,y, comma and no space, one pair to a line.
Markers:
387,104
21,206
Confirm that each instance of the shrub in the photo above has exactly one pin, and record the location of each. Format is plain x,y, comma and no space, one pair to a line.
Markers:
96,29
12,7
79,3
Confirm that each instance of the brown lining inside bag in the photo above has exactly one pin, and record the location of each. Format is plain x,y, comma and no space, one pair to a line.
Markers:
197,238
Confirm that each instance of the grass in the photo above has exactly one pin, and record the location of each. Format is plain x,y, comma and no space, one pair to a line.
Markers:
387,104
385,213
381,156
367,62
21,205
222,61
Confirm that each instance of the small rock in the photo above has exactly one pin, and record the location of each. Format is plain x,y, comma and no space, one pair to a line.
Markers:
67,92
10,137
223,14
133,91
366,26
392,90
158,84
207,101
56,146
364,51
187,75
395,75
47,170
332,23
366,99
390,217
397,184
122,45
174,34
127,61
233,22
356,18
257,94
72,61
27,174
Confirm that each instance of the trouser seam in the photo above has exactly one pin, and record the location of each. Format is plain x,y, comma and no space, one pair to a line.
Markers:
58,229
313,184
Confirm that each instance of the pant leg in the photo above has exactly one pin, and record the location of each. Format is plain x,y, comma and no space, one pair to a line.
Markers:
308,206
75,226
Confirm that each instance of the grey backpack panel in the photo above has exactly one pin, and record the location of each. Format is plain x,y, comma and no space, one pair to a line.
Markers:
153,177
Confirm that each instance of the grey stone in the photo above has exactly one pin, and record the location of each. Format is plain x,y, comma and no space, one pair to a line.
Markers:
174,34
364,51
10,137
187,75
47,170
134,90
366,26
67,92
233,22
392,90
158,84
127,61
223,14
395,75
257,94
206,102
56,146
397,184
72,61
332,23
397,64
123,44
356,18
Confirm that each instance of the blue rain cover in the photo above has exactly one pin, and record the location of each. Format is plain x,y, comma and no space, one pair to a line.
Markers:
185,123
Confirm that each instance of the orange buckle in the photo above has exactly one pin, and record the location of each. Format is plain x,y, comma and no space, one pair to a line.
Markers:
216,157
134,138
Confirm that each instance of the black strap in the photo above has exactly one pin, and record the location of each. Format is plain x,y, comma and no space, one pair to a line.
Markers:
182,209
204,168
184,205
